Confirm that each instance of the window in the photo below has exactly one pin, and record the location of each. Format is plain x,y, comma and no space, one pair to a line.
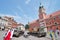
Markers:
54,18
56,23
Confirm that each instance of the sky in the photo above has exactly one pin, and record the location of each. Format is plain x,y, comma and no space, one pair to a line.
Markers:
25,11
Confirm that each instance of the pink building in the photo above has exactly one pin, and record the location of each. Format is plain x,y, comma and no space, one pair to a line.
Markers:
51,21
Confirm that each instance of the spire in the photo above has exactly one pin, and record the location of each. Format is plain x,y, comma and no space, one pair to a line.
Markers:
42,14
41,6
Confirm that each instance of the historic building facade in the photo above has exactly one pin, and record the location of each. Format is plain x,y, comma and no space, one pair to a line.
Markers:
51,21
8,22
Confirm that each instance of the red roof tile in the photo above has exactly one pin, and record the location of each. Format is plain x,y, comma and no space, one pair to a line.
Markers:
53,14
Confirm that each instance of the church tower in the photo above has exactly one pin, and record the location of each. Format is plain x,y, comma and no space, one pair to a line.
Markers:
42,14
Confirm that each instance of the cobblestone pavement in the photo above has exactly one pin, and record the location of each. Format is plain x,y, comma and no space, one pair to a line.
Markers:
30,38
23,38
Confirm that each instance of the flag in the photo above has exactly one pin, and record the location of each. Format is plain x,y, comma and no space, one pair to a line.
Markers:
7,37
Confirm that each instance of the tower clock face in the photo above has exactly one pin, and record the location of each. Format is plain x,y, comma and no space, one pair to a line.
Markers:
43,10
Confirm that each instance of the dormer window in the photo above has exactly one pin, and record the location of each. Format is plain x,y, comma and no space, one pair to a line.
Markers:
55,23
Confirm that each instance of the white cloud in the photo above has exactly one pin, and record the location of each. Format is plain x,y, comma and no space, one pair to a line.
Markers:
27,1
21,19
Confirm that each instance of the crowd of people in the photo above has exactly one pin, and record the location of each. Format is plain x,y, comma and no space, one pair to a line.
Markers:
54,34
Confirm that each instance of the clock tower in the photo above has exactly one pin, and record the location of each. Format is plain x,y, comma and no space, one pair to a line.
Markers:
42,14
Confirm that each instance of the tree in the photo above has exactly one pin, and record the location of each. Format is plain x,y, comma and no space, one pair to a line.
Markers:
0,18
26,26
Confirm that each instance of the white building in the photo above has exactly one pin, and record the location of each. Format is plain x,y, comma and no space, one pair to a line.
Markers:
21,27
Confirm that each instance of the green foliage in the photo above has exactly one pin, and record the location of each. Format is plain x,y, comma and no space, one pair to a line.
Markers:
26,26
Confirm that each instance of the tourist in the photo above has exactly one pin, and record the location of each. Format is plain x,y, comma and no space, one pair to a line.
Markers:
57,34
